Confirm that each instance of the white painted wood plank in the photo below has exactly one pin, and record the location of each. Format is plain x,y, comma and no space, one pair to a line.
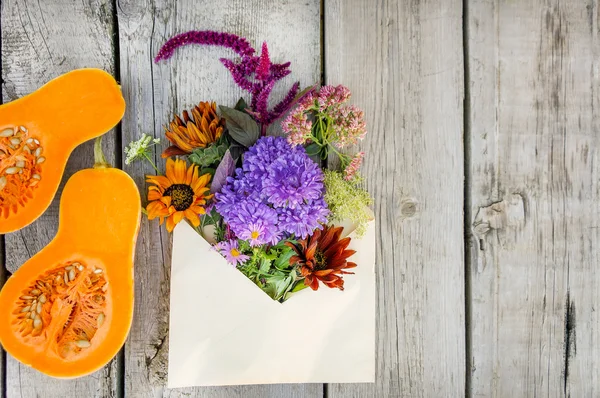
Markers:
154,93
534,78
41,40
403,63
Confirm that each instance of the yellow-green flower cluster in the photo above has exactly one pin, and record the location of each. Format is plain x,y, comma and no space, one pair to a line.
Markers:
347,200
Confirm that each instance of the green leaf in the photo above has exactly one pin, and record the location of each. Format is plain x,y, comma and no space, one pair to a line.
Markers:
242,128
236,151
207,170
241,105
283,261
313,149
209,156
265,265
299,286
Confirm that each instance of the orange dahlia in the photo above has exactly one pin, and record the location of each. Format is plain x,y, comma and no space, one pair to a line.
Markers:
181,193
198,131
322,257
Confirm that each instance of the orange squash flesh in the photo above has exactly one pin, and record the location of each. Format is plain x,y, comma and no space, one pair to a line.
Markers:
98,225
65,112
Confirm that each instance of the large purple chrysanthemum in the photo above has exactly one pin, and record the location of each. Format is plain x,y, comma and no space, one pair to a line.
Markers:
278,192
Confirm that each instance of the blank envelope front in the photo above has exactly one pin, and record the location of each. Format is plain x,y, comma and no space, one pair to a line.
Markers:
225,331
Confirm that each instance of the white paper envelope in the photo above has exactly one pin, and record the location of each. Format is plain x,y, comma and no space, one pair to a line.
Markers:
224,330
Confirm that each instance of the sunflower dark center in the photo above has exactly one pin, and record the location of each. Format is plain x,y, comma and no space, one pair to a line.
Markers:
182,196
320,260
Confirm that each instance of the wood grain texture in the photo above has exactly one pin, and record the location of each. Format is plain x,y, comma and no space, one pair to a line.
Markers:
41,40
534,88
153,93
403,62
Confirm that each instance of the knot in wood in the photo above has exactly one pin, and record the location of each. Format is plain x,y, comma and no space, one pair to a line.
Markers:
408,207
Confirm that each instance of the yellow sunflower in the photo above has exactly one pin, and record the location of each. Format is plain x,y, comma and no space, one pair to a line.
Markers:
178,194
198,131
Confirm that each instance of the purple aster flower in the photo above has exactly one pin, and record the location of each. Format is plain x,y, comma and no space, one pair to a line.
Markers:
253,221
292,180
302,221
277,192
231,251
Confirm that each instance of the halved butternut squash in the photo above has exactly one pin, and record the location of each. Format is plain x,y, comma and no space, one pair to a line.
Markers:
67,311
38,133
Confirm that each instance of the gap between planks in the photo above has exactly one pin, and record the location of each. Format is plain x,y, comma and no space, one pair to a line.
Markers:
467,214
120,359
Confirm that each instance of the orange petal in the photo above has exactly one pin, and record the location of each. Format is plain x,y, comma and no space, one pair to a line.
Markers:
180,169
154,195
177,217
193,217
173,151
161,181
170,224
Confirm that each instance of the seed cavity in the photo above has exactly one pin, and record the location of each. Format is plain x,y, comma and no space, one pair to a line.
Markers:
20,160
64,307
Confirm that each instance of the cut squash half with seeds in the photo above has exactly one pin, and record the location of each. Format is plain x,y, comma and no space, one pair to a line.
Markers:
39,131
67,311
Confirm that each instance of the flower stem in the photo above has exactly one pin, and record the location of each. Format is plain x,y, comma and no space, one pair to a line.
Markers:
151,162
100,161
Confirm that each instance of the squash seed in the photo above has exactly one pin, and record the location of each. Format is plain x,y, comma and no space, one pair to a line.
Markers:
38,152
42,298
7,133
82,343
12,170
35,292
69,268
36,177
41,160
37,323
97,271
39,308
26,309
66,278
3,182
23,129
26,298
100,320
72,274
15,140
20,163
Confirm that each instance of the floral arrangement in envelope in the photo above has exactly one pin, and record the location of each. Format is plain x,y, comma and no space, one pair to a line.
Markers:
294,240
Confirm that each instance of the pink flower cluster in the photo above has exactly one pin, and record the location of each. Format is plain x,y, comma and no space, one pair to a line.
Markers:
348,123
330,96
354,165
296,125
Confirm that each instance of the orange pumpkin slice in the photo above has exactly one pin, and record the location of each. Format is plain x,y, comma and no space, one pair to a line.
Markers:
67,311
38,132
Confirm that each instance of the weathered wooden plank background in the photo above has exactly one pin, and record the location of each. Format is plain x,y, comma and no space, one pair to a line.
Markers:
403,63
534,153
515,164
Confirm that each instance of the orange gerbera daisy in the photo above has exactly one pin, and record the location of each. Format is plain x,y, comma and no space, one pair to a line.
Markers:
198,131
181,193
323,257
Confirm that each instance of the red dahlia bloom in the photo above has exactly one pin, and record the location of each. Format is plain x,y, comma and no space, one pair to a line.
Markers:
322,257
